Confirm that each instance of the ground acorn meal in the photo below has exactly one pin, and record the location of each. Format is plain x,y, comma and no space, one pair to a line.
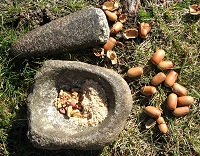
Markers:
85,106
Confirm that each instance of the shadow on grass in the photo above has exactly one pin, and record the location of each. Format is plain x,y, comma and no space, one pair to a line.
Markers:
187,18
19,145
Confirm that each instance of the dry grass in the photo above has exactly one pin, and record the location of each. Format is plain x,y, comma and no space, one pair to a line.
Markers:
173,30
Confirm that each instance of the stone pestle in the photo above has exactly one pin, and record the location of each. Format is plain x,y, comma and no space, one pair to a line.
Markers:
83,29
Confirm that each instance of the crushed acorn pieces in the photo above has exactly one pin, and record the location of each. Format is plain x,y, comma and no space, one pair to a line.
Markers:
69,103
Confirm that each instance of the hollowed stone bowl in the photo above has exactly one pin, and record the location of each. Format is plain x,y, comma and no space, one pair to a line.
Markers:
48,129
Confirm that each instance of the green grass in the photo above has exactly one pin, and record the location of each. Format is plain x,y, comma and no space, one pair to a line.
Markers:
173,30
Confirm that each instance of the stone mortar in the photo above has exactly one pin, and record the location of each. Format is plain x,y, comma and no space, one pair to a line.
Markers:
48,129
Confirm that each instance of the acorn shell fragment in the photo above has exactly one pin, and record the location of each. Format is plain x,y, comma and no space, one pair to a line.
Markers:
110,5
123,18
150,123
130,33
112,56
153,111
144,29
111,15
194,9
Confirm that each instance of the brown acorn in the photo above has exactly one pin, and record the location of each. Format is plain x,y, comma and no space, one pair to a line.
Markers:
165,65
148,90
172,101
181,111
116,28
153,111
158,56
158,79
179,89
109,44
171,78
185,100
163,128
135,72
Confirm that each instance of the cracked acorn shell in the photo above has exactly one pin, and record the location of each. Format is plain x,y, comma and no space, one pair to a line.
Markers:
172,101
181,111
116,28
110,5
123,18
150,123
158,79
158,56
165,65
130,33
144,29
135,72
153,111
194,9
171,78
185,100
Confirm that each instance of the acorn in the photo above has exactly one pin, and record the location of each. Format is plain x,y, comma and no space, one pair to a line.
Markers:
158,79
181,111
109,45
160,120
158,56
135,72
163,128
185,100
111,15
172,101
179,89
165,65
152,111
171,78
116,28
148,90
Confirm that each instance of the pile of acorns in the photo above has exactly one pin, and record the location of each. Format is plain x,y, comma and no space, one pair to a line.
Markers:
178,101
115,15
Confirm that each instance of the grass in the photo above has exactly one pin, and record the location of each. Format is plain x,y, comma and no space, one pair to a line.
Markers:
173,30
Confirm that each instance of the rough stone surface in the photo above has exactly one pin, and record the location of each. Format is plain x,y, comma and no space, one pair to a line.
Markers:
82,29
48,129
